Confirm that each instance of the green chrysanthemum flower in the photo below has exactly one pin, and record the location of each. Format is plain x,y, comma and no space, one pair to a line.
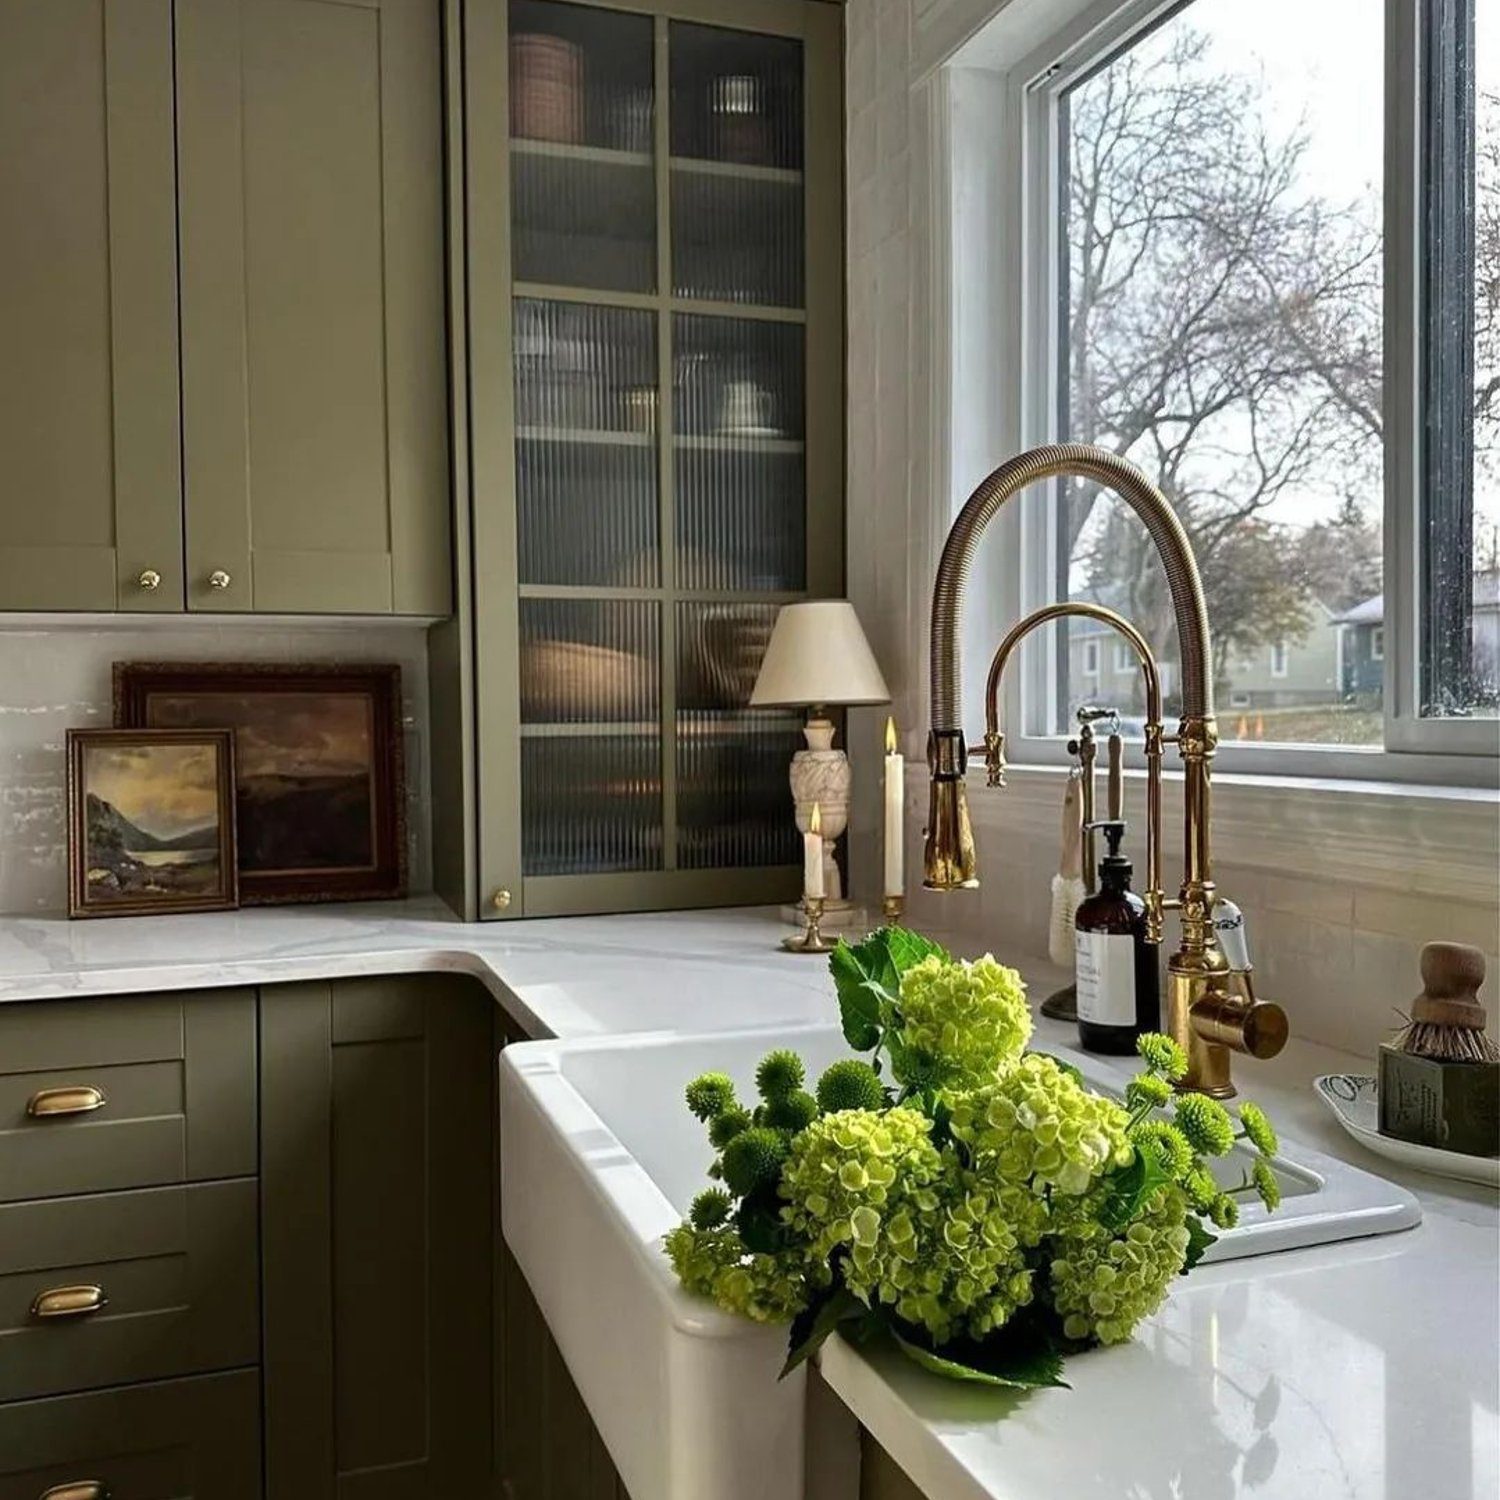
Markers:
1206,1124
753,1159
1149,1090
1038,1126
1201,1189
1168,1144
970,1018
1162,1055
1224,1211
850,1084
710,1208
1265,1183
1259,1129
724,1127
1102,1284
792,1112
710,1094
780,1073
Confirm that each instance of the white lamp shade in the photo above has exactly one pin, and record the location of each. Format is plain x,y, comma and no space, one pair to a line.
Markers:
818,654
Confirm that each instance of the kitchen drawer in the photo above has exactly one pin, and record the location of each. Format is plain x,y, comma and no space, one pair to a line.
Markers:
177,1269
125,1092
177,1440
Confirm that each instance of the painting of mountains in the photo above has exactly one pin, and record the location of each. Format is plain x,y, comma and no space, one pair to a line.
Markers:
152,822
319,787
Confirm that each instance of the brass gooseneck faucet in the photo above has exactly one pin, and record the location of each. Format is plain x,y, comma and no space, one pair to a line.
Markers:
1211,1009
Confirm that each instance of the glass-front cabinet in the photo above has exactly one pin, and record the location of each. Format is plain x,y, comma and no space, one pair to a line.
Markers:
655,326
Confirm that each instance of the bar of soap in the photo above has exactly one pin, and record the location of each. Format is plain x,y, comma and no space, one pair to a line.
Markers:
1452,1105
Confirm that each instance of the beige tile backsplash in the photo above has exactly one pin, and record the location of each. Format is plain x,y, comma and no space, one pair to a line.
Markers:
57,676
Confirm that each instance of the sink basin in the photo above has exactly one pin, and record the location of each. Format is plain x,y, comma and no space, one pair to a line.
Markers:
599,1159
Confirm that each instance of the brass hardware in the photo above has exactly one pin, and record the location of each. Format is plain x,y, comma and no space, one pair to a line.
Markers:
810,939
149,579
1202,1014
891,907
76,1099
69,1302
218,579
501,899
79,1489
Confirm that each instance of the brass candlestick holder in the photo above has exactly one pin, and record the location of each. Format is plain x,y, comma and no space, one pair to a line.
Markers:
810,939
891,908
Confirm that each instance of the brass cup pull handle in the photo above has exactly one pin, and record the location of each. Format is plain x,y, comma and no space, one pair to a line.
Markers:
501,899
78,1489
218,579
75,1099
69,1302
149,579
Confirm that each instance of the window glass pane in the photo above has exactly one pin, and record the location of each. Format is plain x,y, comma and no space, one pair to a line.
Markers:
1221,316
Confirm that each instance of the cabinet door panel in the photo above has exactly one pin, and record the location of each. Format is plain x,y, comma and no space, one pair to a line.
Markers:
91,497
315,416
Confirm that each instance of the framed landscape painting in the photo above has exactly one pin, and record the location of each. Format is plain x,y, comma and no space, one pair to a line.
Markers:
150,821
320,785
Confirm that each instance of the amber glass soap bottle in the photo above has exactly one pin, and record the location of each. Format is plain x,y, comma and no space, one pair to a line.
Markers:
1117,967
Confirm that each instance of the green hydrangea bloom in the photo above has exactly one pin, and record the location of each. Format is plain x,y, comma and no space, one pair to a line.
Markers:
724,1127
1264,1181
753,1159
970,1017
1149,1090
780,1073
1162,1055
710,1094
792,1112
1206,1124
1037,1125
714,1263
1104,1284
1168,1144
850,1084
1261,1132
710,1208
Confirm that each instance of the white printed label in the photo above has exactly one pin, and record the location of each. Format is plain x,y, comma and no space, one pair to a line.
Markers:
1106,977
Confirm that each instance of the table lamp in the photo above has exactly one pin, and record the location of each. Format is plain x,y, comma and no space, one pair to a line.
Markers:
818,658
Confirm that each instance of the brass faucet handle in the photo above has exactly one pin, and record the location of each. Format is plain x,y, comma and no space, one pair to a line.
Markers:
994,757
1257,1028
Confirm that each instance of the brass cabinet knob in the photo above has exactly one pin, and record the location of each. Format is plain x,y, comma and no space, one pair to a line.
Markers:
218,579
501,899
149,579
69,1302
75,1099
77,1489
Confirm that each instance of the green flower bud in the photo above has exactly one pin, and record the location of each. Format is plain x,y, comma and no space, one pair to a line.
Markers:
710,1208
1167,1143
1265,1183
1162,1055
793,1113
1224,1211
724,1127
1148,1090
780,1073
1261,1132
1206,1124
710,1094
753,1160
850,1084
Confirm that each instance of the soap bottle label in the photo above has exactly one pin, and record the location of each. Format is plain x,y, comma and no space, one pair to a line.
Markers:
1106,978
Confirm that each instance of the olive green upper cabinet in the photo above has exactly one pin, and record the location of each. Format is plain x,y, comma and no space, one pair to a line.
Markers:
315,418
90,496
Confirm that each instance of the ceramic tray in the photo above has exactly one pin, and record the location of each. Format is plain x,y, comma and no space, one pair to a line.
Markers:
1352,1098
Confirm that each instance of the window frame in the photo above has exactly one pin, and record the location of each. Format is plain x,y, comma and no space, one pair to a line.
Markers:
1281,659
1414,749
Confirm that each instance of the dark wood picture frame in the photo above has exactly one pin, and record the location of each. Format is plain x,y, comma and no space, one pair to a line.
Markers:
382,876
82,901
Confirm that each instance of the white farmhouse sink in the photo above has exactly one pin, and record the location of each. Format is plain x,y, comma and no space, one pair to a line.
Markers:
600,1158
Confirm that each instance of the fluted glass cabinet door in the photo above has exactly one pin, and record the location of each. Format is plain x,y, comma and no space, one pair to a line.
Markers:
656,400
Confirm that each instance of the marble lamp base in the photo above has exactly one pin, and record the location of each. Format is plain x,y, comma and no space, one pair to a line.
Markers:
820,775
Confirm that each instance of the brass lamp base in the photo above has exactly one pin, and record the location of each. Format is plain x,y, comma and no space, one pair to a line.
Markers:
810,939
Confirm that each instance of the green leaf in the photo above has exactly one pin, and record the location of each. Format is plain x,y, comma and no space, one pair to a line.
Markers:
811,1327
864,979
758,1220
907,949
1016,1357
1199,1239
1126,1190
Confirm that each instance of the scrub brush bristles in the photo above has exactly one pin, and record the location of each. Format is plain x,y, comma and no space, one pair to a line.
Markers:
1447,1020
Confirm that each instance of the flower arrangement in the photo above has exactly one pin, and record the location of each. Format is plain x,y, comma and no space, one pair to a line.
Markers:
976,1201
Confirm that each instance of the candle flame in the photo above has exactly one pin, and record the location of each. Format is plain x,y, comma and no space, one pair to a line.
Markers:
815,823
890,736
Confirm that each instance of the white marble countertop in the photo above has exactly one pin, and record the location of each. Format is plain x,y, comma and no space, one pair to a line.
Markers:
1366,1369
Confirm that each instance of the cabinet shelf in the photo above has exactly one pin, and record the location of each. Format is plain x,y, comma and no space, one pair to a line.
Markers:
701,166
600,437
727,442
564,154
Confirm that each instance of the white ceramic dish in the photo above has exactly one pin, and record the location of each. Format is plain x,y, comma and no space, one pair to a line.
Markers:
1353,1099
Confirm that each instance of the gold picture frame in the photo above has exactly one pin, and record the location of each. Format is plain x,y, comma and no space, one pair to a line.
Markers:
151,822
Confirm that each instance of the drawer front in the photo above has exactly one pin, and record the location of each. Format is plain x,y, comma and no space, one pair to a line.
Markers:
178,1440
99,1095
122,1287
